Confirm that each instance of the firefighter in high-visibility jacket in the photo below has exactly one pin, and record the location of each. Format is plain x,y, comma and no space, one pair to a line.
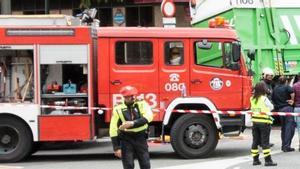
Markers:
128,129
261,124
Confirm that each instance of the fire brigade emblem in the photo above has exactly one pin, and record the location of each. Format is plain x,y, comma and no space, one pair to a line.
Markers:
174,77
216,83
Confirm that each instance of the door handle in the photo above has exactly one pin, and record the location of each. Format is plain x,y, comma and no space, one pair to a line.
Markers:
116,82
196,81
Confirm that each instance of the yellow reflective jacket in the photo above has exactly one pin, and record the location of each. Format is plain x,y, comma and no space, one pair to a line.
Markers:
140,113
257,108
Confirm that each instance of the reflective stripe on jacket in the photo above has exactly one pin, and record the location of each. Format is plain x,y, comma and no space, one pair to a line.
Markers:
257,108
144,111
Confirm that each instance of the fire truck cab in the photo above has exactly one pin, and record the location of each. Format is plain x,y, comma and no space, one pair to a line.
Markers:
209,75
53,78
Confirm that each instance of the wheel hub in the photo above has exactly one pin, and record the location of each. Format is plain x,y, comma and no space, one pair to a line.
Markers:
6,139
9,139
195,136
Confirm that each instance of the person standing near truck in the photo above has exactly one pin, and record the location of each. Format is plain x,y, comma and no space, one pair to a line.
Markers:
128,129
261,124
283,99
296,88
267,78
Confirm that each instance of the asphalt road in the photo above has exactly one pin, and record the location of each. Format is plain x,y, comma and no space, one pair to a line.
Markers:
231,153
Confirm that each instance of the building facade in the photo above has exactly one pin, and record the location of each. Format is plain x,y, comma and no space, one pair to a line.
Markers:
110,12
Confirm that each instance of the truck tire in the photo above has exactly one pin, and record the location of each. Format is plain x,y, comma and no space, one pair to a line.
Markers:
194,136
15,140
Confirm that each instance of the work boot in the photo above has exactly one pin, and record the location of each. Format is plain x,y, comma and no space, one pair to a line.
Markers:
256,160
269,161
288,149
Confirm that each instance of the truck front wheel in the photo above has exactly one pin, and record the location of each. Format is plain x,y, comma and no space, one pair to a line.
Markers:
194,136
15,140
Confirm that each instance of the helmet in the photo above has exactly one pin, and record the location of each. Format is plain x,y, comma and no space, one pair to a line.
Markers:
267,71
128,91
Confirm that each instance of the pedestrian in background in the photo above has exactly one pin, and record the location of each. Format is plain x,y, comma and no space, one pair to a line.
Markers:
261,124
267,79
296,88
128,129
283,99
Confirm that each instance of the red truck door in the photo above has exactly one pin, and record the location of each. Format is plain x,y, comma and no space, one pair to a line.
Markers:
173,69
212,75
134,62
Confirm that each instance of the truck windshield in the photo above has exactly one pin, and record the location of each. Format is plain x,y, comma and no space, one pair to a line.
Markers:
213,53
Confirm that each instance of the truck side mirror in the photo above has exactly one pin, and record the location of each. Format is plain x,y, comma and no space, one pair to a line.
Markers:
236,51
251,54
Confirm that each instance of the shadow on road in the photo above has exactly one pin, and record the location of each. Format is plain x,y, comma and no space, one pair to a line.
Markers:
70,157
64,151
91,157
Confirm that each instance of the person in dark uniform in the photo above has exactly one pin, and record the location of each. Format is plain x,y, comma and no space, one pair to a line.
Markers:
261,124
283,99
128,127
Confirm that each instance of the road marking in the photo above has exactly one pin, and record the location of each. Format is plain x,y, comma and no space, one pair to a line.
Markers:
220,164
10,167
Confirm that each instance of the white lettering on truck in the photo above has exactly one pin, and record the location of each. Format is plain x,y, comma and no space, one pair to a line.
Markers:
151,98
173,85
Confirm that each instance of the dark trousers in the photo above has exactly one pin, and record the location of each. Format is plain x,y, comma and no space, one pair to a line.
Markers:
261,135
135,145
287,128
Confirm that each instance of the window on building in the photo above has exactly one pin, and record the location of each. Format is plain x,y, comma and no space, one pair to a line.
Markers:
139,16
146,16
134,53
33,12
105,16
67,4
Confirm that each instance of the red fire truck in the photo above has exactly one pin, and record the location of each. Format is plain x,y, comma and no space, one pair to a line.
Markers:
59,81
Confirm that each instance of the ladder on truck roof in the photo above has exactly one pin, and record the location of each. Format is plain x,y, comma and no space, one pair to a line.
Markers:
38,20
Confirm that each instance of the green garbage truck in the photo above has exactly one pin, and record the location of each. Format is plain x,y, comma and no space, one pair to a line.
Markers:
269,30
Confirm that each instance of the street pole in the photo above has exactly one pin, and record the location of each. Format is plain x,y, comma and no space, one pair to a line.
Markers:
5,7
46,6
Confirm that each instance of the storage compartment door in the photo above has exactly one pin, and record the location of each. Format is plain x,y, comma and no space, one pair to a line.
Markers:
64,127
64,54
